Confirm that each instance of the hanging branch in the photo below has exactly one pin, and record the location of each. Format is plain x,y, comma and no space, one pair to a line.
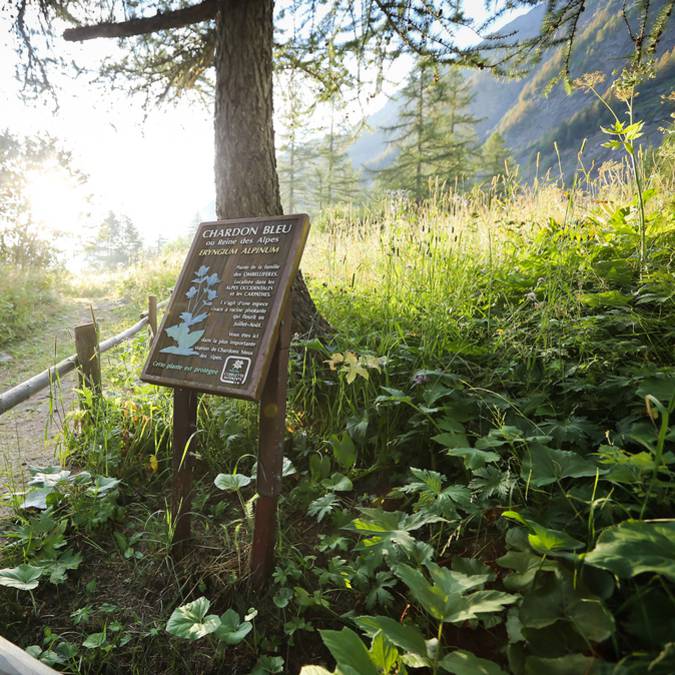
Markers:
148,24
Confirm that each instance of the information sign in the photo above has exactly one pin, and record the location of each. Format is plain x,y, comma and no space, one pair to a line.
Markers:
220,328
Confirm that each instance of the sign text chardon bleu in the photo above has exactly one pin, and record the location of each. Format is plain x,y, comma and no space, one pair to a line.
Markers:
218,332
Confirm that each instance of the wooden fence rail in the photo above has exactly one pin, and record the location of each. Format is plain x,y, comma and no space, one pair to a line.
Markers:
46,378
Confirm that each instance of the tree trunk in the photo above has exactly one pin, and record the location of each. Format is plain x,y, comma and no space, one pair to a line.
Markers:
245,165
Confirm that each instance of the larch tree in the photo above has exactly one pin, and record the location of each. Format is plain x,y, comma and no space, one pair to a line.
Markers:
294,156
496,158
227,49
421,137
461,135
116,243
334,180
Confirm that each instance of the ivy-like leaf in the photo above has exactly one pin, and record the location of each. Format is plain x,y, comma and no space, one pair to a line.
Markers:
232,630
191,622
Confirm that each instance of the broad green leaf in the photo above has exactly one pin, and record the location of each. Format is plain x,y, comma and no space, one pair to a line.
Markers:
348,651
634,547
390,530
472,567
232,630
454,436
282,597
426,478
445,598
542,539
461,662
394,396
231,482
36,498
319,466
605,299
191,622
662,388
526,565
383,654
542,465
486,602
104,484
430,597
648,616
514,627
58,568
555,598
23,577
472,457
405,636
49,479
338,483
344,450
454,581
357,427
95,640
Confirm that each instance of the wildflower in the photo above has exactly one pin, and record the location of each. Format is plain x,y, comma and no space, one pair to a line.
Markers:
420,378
334,360
589,81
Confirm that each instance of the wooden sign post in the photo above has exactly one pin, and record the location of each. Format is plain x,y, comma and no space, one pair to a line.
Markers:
226,331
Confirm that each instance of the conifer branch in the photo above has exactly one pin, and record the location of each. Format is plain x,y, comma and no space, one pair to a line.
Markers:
148,24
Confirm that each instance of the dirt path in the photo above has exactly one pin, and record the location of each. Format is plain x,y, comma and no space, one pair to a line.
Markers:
27,431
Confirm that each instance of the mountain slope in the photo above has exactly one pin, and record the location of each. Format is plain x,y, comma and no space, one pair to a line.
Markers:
530,121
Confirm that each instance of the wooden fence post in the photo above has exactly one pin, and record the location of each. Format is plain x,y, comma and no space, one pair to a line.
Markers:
86,346
271,456
152,314
184,427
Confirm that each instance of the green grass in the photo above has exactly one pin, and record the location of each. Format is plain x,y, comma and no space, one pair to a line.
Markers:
490,423
24,296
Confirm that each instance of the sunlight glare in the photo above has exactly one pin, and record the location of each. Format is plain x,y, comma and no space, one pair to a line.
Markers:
57,200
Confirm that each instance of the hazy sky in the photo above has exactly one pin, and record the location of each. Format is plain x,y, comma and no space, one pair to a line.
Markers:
157,170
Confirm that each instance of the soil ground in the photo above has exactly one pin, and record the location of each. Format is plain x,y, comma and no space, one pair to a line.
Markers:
27,432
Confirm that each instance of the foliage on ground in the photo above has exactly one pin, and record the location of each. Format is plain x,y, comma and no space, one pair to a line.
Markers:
477,474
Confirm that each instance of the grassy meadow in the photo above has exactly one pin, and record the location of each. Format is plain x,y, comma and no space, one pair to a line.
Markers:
478,460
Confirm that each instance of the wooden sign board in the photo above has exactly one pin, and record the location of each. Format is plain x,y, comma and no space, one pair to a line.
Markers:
220,328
